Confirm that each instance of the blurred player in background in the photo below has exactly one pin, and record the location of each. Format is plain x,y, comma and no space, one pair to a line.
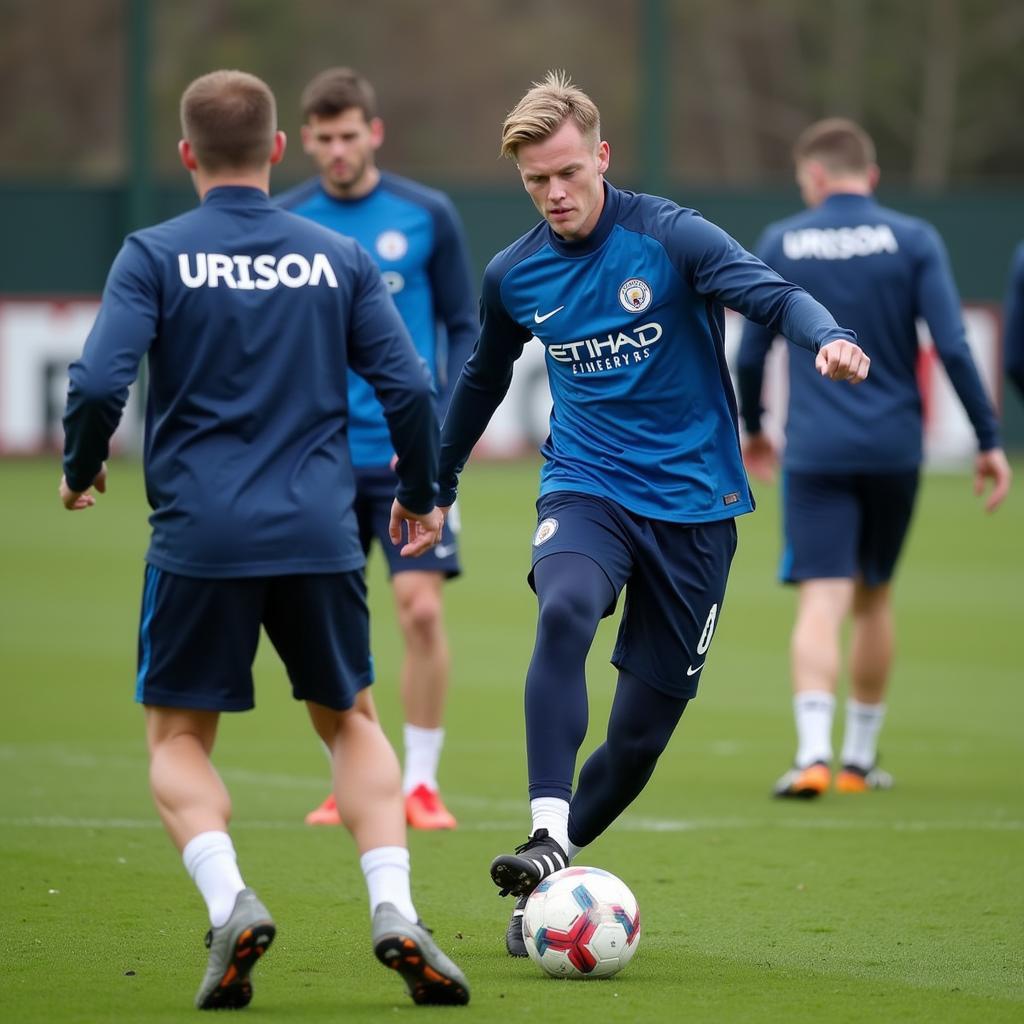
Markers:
250,318
414,235
851,463
1013,330
643,476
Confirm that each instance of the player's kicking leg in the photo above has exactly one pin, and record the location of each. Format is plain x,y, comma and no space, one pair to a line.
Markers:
573,594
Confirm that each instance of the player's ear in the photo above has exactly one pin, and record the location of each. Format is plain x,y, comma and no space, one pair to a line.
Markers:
280,144
187,157
376,132
604,156
874,176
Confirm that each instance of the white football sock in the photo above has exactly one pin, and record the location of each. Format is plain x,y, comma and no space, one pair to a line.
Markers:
210,860
860,739
386,869
813,711
553,814
422,754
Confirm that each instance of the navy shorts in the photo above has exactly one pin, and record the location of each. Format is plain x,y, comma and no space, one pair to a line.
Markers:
845,526
375,493
198,637
674,574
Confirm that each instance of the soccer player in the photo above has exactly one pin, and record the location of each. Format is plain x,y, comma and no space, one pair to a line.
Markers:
415,236
250,318
1013,331
851,466
643,476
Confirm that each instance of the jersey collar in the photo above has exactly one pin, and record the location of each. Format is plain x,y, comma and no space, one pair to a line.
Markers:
357,200
235,195
597,237
842,199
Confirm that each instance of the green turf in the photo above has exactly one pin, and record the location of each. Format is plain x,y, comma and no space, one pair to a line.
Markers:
902,906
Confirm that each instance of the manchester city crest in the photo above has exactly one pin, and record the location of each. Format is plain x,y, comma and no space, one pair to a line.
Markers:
635,295
547,529
392,245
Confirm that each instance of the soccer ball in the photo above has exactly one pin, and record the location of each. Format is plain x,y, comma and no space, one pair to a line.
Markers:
581,923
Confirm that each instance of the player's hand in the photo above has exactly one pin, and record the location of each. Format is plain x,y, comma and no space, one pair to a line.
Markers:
422,531
840,359
993,465
759,457
74,501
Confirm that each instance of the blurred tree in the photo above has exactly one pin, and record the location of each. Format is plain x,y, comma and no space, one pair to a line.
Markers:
937,82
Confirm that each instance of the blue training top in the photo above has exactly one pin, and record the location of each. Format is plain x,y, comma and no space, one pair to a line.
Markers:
416,238
632,322
250,317
1013,337
878,271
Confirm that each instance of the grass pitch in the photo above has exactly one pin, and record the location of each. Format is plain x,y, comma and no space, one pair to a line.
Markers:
900,906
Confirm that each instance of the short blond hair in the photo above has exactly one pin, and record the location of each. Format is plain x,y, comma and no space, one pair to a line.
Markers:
544,109
838,143
229,118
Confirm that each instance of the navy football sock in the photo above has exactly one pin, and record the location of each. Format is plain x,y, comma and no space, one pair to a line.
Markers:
573,593
641,722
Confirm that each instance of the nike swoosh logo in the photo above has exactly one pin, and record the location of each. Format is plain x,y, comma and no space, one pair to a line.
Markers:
538,319
444,550
691,671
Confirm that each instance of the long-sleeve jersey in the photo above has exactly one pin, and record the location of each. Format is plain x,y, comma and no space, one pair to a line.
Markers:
878,271
416,238
1013,336
250,317
632,322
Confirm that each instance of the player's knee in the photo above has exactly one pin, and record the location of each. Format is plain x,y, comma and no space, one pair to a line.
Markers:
566,614
421,617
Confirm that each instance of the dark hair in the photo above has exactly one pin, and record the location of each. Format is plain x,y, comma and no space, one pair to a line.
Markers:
837,142
336,90
229,118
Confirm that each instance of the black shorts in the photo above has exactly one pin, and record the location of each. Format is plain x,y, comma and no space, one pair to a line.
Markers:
375,493
845,526
674,574
198,638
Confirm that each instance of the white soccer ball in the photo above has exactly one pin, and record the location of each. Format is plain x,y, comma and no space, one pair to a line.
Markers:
581,923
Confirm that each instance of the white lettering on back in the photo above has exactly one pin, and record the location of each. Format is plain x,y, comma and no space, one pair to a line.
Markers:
839,243
293,270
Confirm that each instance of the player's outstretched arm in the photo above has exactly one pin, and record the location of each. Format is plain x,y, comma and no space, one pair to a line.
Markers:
840,359
422,531
74,501
992,465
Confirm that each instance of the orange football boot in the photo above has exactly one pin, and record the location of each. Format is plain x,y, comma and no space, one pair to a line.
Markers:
325,814
805,783
855,780
425,809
